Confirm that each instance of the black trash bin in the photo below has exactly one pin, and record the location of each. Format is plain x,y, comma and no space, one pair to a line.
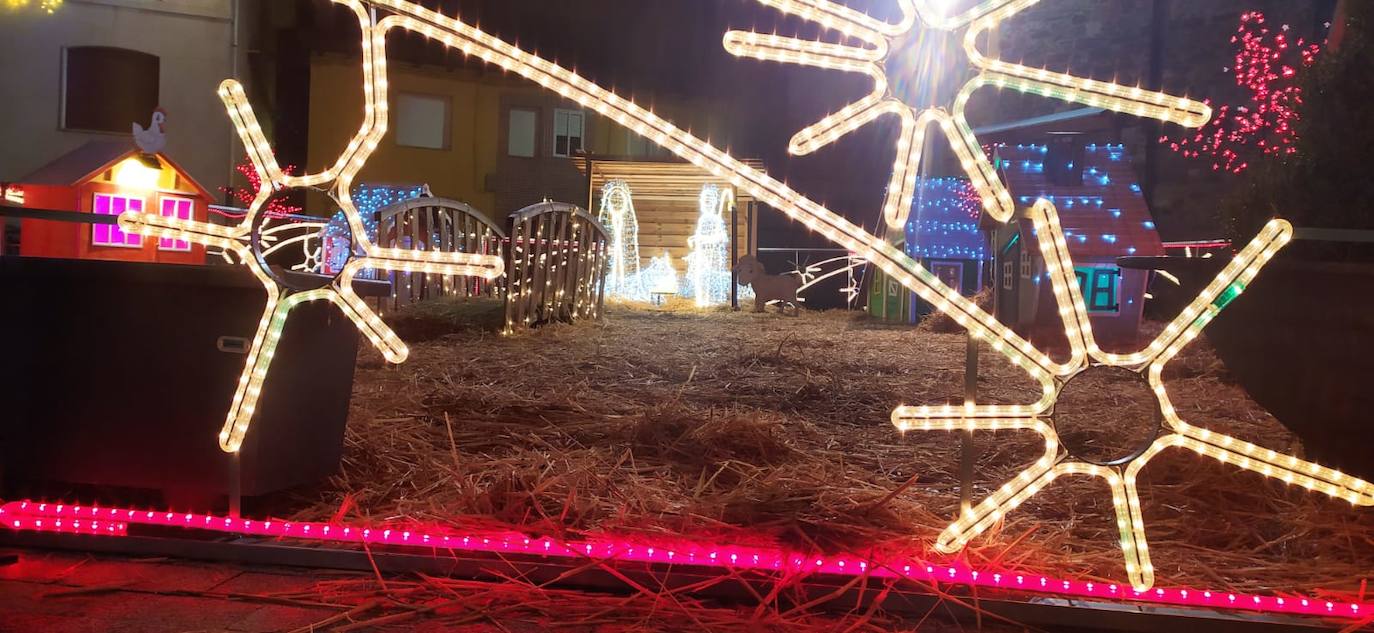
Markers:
120,374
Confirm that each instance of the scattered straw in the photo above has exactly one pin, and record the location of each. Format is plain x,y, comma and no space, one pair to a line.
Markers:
766,429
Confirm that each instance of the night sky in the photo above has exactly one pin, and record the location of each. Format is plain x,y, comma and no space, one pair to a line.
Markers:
669,49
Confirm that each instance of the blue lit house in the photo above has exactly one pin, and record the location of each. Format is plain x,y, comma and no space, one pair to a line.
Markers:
943,234
1104,217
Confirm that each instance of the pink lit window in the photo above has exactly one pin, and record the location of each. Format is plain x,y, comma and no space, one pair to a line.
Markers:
179,208
109,234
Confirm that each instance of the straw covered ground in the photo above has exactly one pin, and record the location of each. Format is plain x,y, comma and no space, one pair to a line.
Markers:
762,428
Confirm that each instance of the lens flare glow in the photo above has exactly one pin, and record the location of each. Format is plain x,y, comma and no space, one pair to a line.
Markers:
924,69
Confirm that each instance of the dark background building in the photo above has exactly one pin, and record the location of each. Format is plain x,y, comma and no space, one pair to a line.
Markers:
671,50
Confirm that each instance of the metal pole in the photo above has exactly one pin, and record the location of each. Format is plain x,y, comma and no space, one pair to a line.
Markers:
235,485
233,73
849,279
591,192
749,246
968,455
1159,24
734,256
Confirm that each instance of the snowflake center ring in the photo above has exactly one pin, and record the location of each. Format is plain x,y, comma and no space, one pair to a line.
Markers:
1107,416
927,68
261,244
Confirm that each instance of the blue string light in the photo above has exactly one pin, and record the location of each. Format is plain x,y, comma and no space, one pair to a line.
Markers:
944,221
369,199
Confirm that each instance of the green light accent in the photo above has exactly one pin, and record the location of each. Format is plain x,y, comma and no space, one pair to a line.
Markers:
1232,291
1010,243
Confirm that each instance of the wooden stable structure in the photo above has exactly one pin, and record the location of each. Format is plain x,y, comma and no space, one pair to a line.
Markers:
109,178
666,196
556,265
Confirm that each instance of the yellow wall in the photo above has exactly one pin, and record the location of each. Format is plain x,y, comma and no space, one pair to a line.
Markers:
461,171
458,172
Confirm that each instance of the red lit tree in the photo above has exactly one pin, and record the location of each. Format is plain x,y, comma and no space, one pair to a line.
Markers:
1267,67
246,195
1325,183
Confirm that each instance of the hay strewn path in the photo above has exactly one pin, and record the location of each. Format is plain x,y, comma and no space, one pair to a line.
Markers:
757,427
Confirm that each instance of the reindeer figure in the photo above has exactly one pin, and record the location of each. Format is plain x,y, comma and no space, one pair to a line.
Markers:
767,288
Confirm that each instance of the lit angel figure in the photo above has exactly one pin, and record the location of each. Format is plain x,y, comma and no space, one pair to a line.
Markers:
284,292
1166,430
618,216
708,264
924,69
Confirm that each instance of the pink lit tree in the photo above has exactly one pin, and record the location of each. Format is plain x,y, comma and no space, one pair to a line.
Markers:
1268,65
244,196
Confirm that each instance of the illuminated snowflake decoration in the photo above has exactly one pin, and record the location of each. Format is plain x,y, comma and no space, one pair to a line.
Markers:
286,291
1168,430
1053,376
924,69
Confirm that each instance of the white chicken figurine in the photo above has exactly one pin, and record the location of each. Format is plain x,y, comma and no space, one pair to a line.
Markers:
152,140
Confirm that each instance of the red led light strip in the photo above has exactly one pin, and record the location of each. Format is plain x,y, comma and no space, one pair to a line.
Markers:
94,520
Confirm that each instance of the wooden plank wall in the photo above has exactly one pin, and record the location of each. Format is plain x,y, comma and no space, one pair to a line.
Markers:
665,198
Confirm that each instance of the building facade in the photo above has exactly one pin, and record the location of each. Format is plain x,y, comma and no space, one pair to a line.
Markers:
485,138
93,68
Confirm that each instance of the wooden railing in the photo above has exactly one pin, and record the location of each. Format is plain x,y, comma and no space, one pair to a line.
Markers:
556,265
438,224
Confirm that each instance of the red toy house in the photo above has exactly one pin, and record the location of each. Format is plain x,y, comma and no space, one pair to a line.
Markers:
109,178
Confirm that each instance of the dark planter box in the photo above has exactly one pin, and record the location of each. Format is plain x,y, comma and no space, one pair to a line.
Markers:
1299,341
112,375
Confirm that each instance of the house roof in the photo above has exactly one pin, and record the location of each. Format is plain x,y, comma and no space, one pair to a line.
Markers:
80,164
944,221
92,158
1105,217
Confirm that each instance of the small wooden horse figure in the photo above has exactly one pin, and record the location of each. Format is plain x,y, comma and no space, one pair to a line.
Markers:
767,288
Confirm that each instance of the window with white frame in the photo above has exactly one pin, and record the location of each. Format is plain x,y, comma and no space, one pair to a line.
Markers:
1008,275
568,126
422,121
637,146
520,133
181,209
1026,269
110,234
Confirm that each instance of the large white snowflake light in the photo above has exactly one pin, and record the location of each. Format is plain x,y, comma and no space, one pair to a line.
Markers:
1166,430
924,69
284,291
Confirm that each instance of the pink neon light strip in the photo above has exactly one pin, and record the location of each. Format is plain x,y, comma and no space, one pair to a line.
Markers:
48,517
